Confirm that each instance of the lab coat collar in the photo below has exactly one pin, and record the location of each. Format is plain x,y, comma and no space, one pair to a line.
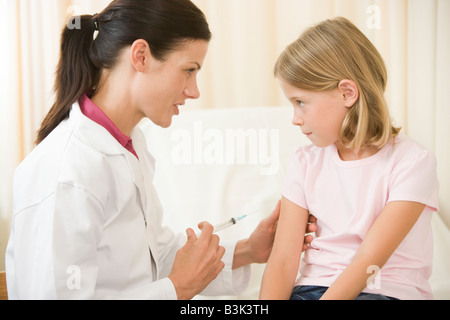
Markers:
94,134
97,136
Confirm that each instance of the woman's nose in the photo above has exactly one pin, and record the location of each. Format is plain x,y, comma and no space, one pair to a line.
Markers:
192,92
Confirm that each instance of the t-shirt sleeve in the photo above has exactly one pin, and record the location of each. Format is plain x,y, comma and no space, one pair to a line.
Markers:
293,186
415,179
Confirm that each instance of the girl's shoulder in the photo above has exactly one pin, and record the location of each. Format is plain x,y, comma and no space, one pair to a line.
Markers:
407,149
403,150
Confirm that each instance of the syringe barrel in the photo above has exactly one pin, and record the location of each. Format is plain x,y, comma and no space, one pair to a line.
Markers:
224,225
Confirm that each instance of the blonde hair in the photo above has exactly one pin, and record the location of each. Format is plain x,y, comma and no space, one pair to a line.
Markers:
330,52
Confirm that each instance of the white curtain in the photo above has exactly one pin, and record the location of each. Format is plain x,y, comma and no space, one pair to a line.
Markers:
412,35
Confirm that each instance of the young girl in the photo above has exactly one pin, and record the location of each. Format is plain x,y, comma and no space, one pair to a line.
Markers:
371,189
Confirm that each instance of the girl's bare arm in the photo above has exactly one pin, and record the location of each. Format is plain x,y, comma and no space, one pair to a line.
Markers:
282,268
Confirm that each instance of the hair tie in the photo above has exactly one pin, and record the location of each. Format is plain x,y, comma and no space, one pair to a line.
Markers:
95,21
96,29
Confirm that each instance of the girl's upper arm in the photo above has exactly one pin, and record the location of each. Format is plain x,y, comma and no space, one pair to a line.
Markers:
291,229
282,267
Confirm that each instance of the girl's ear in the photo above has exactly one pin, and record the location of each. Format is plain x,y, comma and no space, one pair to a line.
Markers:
349,91
140,55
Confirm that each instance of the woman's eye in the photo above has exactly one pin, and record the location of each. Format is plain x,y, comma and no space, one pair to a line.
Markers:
190,71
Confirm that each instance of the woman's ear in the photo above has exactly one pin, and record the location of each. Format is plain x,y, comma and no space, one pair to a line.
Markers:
349,91
140,55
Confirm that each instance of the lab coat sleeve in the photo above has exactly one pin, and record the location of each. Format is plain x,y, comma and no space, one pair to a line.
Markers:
64,258
228,282
162,289
77,227
52,251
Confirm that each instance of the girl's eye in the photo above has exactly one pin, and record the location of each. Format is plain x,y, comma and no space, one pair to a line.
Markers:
300,103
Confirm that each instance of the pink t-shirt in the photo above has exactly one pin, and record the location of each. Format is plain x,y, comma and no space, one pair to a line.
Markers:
347,196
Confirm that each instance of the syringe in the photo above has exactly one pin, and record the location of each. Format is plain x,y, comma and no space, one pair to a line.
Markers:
232,221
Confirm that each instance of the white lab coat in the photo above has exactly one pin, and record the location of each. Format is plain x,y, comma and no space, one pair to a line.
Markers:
87,222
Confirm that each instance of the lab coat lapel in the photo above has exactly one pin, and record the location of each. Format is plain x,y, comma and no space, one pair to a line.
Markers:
144,195
104,142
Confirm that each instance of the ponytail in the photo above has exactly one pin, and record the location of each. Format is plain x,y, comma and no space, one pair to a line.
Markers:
165,25
75,75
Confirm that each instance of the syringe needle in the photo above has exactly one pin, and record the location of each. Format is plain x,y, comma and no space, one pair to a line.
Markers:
231,222
248,215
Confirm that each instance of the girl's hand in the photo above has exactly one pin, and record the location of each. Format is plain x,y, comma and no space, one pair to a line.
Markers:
258,247
310,228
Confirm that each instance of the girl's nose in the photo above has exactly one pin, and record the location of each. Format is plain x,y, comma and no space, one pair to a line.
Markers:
297,120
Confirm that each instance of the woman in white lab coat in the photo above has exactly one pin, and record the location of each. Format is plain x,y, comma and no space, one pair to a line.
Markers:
87,220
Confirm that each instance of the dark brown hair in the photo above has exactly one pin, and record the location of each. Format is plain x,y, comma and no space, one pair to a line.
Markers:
164,24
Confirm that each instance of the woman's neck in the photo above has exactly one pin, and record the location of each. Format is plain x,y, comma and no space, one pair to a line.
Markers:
115,101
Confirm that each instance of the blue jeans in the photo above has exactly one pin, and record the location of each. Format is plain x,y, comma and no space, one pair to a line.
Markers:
316,292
